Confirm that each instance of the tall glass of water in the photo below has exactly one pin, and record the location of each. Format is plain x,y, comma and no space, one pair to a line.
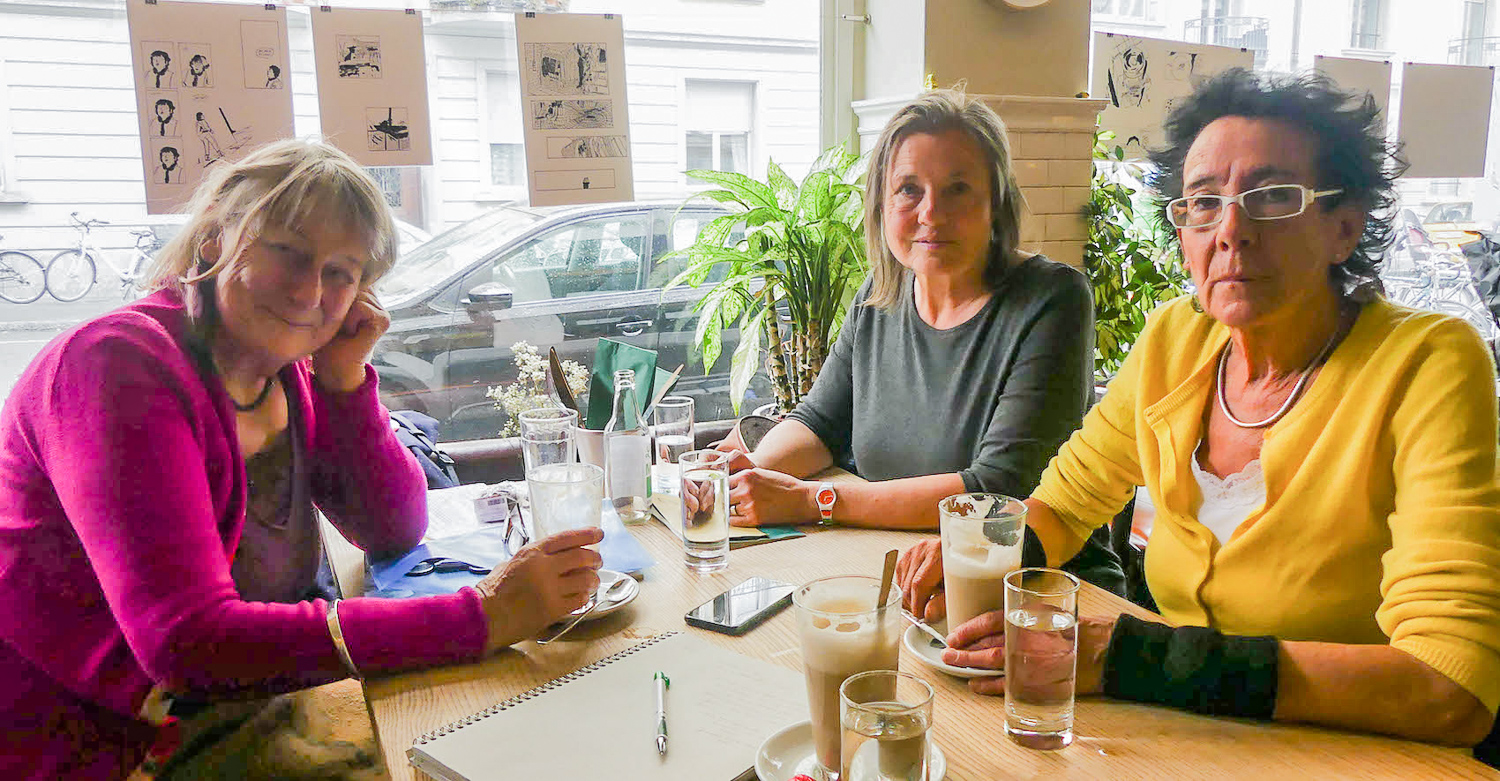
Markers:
1041,656
672,427
563,497
547,436
886,717
705,509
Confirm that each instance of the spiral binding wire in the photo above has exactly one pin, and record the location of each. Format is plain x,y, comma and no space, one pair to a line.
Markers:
535,692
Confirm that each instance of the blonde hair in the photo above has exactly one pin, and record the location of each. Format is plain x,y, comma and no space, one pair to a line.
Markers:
287,184
935,112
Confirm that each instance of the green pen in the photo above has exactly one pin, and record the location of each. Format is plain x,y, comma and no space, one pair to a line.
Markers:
662,683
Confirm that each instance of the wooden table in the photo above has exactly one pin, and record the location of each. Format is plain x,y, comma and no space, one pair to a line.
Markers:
1114,740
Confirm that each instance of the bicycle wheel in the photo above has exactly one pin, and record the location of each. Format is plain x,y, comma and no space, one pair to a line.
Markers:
22,278
70,275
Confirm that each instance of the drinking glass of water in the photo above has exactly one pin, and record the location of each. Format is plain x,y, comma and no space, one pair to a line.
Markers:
1041,656
886,717
564,496
672,426
705,509
547,436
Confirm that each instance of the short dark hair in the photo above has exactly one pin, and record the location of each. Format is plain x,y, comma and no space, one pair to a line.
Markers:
1350,151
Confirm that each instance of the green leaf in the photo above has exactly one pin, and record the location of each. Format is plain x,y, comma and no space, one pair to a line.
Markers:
743,188
781,184
746,360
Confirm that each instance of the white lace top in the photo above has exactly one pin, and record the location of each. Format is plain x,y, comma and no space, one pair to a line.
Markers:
1228,501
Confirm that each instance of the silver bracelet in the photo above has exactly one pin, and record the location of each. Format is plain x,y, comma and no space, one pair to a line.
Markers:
336,631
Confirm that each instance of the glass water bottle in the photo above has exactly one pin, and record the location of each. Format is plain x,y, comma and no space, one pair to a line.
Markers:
627,452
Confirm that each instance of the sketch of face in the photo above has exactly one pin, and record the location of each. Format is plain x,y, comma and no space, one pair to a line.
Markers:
1127,76
160,62
273,73
165,110
168,157
1180,65
198,65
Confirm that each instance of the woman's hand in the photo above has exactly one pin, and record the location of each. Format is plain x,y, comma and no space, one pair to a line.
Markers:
339,366
763,496
980,642
739,460
919,573
539,586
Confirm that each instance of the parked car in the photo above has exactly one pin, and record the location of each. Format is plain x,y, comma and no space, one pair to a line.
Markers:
561,277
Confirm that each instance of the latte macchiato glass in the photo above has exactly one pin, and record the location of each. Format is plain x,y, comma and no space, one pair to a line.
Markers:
842,633
981,545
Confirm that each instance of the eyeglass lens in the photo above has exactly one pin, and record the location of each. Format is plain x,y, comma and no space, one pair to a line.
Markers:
1275,202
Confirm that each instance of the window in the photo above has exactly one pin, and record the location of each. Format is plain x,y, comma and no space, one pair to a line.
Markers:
1132,10
1366,23
719,121
596,256
503,109
1472,47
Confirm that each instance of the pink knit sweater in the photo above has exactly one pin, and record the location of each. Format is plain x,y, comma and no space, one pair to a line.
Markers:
122,499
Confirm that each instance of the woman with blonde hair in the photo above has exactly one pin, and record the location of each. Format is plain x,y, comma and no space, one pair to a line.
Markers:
965,361
159,468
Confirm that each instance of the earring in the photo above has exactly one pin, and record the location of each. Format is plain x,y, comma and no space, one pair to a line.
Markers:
1196,304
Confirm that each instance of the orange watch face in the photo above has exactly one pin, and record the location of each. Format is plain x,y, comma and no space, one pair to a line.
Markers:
825,496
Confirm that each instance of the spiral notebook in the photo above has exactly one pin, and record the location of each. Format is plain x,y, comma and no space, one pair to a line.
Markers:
600,721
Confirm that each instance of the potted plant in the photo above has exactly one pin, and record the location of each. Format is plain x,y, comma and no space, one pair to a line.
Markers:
792,257
1125,256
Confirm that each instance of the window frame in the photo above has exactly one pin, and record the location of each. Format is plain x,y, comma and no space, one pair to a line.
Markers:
753,159
9,192
488,190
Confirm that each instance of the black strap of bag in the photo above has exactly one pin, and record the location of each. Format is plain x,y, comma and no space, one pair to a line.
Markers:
437,465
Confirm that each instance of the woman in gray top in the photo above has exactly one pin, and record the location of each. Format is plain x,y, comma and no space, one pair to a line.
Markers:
965,362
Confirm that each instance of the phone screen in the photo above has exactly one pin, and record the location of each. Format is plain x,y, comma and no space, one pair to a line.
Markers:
742,606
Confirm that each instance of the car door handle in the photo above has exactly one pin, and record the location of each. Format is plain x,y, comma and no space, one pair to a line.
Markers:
633,327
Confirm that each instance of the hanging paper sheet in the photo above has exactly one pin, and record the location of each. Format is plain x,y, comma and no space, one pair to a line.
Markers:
573,104
372,84
210,86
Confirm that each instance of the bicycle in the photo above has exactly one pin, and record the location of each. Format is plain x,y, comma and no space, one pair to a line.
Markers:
71,273
23,279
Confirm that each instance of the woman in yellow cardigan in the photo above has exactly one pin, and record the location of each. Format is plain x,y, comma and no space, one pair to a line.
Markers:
1323,462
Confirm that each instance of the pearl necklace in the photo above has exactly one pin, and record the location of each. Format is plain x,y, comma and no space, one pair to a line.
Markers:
1290,400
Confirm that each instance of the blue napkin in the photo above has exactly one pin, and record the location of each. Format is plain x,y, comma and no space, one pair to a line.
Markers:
485,546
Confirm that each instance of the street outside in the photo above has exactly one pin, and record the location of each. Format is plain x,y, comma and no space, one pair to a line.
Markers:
26,328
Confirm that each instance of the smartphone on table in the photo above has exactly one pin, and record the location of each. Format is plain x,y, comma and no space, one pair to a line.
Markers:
742,607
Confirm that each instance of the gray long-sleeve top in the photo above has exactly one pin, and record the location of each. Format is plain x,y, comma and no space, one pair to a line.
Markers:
992,398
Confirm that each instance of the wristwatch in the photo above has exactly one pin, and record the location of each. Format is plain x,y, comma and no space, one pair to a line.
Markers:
826,496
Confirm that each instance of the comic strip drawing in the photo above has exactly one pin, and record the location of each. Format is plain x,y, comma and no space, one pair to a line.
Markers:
197,70
566,69
572,114
169,169
564,148
1143,78
598,179
239,136
212,152
1127,74
163,114
359,56
273,77
158,59
260,48
388,129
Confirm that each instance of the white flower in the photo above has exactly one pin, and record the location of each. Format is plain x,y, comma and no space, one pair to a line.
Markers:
529,391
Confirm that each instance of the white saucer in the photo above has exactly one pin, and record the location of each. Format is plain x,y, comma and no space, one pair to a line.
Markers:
607,578
919,644
790,751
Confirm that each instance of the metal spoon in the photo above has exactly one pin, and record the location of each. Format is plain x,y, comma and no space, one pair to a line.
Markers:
614,593
938,640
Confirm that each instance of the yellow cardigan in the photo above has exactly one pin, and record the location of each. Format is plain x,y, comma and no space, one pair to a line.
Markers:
1382,514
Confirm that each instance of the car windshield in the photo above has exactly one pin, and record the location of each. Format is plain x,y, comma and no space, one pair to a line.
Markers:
451,252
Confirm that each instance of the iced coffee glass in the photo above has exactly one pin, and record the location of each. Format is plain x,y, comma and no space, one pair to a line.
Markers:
843,632
981,545
886,716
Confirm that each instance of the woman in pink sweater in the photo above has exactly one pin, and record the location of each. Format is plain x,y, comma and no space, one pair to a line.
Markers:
159,467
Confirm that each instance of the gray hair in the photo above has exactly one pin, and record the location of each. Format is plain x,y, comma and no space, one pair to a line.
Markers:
286,184
934,112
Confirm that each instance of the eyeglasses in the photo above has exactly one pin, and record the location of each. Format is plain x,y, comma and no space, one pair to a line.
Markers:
1273,202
